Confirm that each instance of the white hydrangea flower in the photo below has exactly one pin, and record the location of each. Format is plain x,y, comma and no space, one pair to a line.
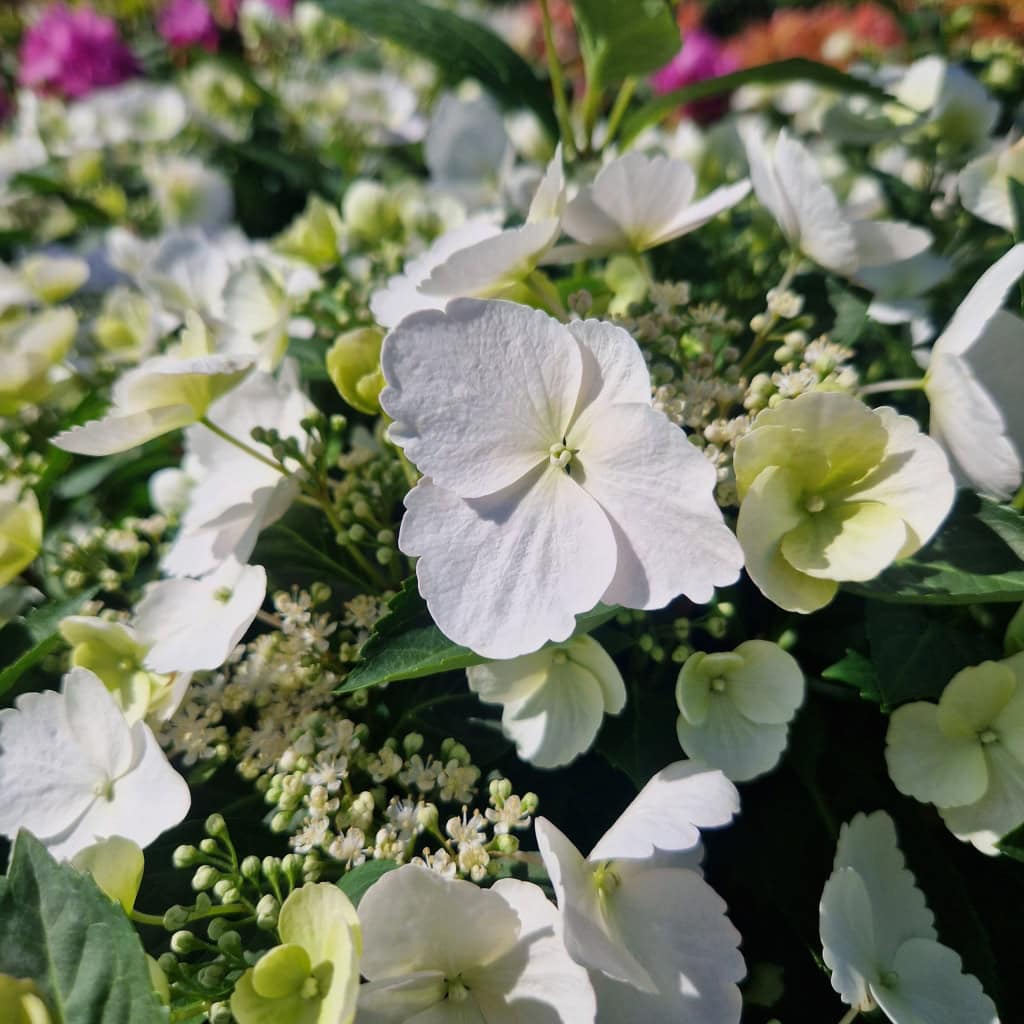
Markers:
638,202
966,753
476,259
136,111
554,700
75,771
973,384
984,184
789,182
234,496
735,707
193,625
550,481
638,914
440,949
187,190
164,393
879,939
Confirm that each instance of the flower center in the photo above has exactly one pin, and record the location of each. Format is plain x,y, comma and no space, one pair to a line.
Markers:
606,879
104,789
310,988
457,990
560,454
814,503
718,684
222,594
988,736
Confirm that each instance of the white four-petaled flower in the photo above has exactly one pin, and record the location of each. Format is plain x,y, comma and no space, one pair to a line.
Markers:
550,482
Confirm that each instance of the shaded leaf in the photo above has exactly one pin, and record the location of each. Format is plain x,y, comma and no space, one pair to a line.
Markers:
855,670
851,314
355,883
623,39
460,48
59,930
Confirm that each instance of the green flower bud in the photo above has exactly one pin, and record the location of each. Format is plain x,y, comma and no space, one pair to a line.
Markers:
184,942
184,856
216,826
176,917
369,211
206,875
250,867
353,364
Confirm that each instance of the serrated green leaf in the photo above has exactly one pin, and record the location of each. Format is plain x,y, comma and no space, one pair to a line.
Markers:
855,670
796,69
619,40
974,559
458,47
28,640
406,644
915,652
355,883
78,947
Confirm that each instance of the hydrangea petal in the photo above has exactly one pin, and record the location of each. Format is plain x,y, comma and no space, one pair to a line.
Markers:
657,490
880,242
587,934
999,811
974,697
729,741
848,935
697,214
587,652
116,433
98,724
931,986
927,764
530,558
474,439
769,511
851,541
669,812
614,368
401,999
768,686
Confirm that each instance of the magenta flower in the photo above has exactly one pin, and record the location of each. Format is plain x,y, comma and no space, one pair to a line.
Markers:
187,23
283,8
701,57
70,52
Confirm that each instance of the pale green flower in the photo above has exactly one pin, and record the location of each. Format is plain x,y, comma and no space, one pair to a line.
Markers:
353,364
116,865
20,1002
314,236
834,491
21,530
313,976
966,753
30,347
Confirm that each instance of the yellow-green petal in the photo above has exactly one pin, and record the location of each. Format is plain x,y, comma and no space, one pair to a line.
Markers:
116,865
974,697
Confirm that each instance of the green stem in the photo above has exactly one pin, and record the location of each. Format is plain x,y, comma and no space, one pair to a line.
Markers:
152,919
546,294
619,108
851,1016
243,447
762,335
557,85
902,384
188,1012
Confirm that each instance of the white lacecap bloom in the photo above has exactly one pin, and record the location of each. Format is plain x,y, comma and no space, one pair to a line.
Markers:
162,394
879,938
554,700
136,111
440,949
974,384
235,496
639,915
638,202
966,753
788,181
735,707
477,259
984,184
188,191
550,482
193,625
75,771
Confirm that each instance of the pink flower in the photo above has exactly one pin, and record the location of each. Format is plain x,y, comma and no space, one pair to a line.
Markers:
186,23
70,53
701,57
281,7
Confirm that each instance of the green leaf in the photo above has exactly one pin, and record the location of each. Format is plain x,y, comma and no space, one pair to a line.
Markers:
78,947
355,883
796,69
622,39
851,314
35,636
975,558
915,652
1012,844
407,645
856,670
460,48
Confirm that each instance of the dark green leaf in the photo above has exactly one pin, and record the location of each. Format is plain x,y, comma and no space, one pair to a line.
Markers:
354,883
78,947
1012,844
796,69
460,49
1017,202
856,670
916,651
623,39
30,639
87,212
974,559
642,740
407,645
